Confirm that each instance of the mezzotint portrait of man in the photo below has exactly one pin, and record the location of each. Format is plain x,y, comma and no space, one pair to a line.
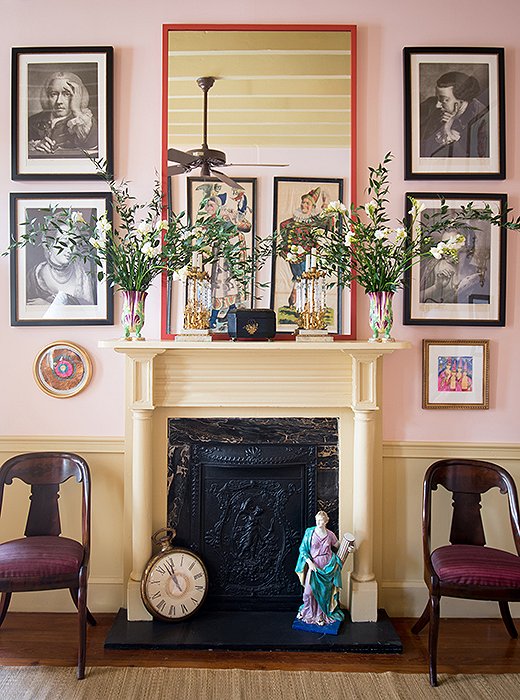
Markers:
454,110
62,110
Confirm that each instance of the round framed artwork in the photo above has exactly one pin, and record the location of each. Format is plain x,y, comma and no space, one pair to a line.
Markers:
62,369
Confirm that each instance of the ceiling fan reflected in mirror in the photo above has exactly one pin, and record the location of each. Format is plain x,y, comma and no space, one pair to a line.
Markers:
206,158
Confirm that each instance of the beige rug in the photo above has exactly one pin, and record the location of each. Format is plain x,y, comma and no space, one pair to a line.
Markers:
104,683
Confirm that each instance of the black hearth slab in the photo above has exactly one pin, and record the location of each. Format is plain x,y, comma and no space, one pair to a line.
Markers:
252,631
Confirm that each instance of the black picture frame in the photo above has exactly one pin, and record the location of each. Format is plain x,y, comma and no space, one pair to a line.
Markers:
48,142
284,206
471,291
40,296
465,140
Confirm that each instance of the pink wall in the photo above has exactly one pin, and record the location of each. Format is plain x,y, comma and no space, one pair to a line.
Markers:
134,29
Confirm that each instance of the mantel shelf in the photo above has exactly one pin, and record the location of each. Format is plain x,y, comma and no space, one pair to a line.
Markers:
346,346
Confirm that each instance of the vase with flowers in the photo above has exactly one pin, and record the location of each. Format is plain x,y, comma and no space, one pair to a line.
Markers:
358,243
139,246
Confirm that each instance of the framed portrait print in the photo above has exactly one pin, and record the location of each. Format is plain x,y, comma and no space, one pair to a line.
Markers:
61,112
296,201
62,369
211,197
454,113
455,374
469,291
47,287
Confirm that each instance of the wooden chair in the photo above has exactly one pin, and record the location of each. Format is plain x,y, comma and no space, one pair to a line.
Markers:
43,559
466,568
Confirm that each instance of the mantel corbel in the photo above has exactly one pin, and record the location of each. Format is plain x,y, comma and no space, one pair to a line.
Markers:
141,368
364,380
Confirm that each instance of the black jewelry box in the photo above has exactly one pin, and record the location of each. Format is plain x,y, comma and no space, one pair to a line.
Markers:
251,324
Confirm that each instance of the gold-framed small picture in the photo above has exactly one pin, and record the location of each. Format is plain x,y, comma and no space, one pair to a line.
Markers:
455,374
62,369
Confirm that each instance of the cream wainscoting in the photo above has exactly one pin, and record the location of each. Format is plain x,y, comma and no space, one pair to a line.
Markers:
397,555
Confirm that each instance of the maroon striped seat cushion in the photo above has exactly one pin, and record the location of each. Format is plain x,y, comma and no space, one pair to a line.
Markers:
478,566
35,561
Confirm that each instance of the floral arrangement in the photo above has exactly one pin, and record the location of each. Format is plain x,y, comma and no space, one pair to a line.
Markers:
358,243
142,245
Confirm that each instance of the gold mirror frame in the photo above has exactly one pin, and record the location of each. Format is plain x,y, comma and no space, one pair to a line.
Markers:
314,98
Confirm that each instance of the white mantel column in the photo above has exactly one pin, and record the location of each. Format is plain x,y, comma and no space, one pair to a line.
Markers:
140,401
363,590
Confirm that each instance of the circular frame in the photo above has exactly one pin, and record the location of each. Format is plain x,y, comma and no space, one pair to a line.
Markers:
62,369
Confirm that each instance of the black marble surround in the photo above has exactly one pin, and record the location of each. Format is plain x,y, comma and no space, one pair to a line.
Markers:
241,491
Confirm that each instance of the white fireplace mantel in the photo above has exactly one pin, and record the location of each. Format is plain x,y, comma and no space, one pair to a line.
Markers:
238,379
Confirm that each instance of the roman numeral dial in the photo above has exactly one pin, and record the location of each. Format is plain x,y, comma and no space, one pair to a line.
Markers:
174,584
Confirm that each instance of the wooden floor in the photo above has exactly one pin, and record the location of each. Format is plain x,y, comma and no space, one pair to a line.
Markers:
465,646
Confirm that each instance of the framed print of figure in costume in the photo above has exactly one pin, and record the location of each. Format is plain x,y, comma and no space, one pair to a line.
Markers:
61,112
469,290
455,374
48,288
454,113
296,202
211,197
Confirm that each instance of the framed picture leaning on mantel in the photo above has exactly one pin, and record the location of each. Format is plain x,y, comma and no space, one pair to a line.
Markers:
454,113
470,291
62,112
296,201
47,287
209,197
455,373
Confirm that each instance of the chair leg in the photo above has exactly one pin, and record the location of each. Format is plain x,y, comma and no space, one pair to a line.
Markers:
435,604
82,622
508,620
90,617
5,599
423,620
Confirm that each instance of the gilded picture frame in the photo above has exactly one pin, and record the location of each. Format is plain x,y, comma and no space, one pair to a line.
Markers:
456,374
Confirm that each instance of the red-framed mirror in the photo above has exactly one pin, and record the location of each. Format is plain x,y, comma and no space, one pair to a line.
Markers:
283,94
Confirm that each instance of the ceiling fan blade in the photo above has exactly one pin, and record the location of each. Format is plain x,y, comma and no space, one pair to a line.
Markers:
176,170
227,180
257,165
177,156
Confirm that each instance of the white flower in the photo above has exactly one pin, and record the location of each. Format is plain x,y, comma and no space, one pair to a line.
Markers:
380,233
163,225
456,241
94,242
77,218
436,253
370,207
335,206
150,250
103,226
349,237
143,228
180,275
291,256
416,207
400,234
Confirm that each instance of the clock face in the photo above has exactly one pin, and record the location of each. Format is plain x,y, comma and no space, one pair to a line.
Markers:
174,585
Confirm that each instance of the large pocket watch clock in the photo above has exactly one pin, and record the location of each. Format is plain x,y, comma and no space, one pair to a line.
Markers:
175,581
